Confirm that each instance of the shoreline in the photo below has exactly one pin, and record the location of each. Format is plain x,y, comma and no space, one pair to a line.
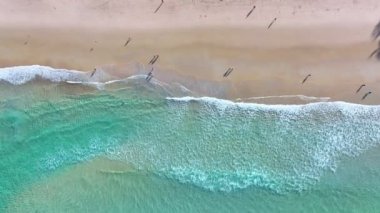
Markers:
71,79
197,51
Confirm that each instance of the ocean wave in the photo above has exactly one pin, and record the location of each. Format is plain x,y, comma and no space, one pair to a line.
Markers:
222,145
216,144
23,74
223,104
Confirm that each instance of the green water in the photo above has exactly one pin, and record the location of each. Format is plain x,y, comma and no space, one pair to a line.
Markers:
128,148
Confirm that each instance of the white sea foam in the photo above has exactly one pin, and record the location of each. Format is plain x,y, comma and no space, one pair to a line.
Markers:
301,97
22,74
280,147
223,104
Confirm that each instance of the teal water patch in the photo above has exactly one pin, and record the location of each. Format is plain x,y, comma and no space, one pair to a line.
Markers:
42,135
101,185
213,145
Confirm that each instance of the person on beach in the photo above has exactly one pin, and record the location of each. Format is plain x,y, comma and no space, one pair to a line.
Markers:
249,13
228,72
305,79
93,72
365,96
376,53
150,75
154,59
127,42
376,31
270,25
361,86
159,6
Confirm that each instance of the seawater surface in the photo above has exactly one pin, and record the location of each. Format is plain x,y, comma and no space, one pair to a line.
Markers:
71,145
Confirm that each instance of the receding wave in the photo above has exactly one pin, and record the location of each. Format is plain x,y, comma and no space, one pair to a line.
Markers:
23,74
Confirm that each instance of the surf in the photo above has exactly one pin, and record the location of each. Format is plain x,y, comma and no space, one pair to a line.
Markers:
159,128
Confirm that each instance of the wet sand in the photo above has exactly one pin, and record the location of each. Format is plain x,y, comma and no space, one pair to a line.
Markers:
203,40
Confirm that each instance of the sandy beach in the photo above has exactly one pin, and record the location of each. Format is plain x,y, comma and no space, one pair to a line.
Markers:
199,40
75,140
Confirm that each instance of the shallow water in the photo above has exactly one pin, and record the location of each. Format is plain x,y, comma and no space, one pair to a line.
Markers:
130,145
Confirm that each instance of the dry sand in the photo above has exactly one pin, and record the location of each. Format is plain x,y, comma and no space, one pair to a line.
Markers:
198,40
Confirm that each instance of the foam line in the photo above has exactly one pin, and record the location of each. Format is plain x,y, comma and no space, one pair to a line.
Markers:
23,74
302,97
223,104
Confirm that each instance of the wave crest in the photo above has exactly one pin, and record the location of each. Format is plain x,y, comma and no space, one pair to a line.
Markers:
23,74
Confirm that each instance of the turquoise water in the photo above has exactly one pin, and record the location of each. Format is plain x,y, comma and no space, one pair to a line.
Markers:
129,146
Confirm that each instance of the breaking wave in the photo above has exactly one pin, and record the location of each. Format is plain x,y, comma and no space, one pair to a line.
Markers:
216,144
